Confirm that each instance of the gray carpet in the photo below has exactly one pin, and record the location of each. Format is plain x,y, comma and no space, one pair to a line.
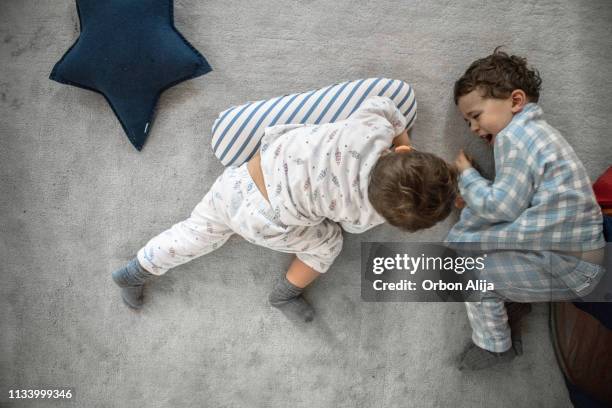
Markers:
77,200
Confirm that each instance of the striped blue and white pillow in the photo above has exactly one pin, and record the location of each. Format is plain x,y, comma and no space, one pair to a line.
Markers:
238,130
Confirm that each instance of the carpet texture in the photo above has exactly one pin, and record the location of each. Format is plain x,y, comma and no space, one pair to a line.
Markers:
77,201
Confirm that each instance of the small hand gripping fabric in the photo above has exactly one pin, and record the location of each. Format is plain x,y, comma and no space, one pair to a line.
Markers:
237,131
130,52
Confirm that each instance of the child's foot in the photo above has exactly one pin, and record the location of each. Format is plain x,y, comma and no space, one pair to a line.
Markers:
131,279
288,298
476,358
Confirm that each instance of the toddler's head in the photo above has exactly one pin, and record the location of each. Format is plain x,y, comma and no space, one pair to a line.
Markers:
493,90
412,190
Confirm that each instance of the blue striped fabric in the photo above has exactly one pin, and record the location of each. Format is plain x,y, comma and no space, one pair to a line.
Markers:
238,130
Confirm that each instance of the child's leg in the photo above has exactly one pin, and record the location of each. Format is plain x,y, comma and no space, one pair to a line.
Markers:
490,334
494,324
203,232
542,276
489,321
317,247
488,317
287,291
300,274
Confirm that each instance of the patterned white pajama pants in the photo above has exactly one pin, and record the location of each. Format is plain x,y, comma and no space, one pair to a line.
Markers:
234,204
543,276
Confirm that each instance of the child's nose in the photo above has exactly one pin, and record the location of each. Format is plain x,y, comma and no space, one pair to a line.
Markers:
474,127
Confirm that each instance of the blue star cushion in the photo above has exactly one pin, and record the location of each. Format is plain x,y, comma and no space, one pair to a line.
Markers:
130,52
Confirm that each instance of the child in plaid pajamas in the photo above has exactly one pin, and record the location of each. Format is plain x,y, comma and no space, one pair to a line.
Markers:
541,200
306,183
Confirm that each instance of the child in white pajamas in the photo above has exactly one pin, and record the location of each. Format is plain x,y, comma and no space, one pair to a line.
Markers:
306,182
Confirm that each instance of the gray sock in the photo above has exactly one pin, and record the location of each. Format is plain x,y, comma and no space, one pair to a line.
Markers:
288,298
131,279
476,358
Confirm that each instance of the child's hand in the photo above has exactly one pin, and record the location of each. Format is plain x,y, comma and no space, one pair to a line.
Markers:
463,162
459,202
403,139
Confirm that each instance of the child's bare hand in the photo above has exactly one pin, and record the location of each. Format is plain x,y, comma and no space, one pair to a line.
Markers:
403,139
459,202
463,162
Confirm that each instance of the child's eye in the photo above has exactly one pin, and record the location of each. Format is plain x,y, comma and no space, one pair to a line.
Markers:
476,116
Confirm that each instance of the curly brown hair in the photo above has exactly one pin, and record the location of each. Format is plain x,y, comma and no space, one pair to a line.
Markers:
412,190
497,75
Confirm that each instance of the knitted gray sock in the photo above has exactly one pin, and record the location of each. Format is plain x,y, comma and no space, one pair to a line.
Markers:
476,358
288,298
131,279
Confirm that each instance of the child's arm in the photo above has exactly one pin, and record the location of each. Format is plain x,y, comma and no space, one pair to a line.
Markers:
271,133
507,196
354,229
403,139
378,106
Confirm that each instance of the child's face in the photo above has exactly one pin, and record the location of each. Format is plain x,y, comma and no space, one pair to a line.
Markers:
486,117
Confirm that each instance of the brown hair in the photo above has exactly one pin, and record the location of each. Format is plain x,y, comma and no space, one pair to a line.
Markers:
412,190
497,75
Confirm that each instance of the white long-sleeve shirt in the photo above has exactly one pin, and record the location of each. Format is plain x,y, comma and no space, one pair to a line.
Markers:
313,172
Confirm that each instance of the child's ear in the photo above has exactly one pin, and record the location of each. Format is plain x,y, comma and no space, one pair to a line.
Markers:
519,100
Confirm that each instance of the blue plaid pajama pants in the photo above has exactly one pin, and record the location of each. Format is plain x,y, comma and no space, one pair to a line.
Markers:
520,276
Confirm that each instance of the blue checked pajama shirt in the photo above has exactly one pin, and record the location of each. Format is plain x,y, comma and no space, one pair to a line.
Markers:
539,206
316,178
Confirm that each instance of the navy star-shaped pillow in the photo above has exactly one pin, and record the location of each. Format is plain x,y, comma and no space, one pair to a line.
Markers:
130,52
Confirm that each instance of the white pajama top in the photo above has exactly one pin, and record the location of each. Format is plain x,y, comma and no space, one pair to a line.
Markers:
314,172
